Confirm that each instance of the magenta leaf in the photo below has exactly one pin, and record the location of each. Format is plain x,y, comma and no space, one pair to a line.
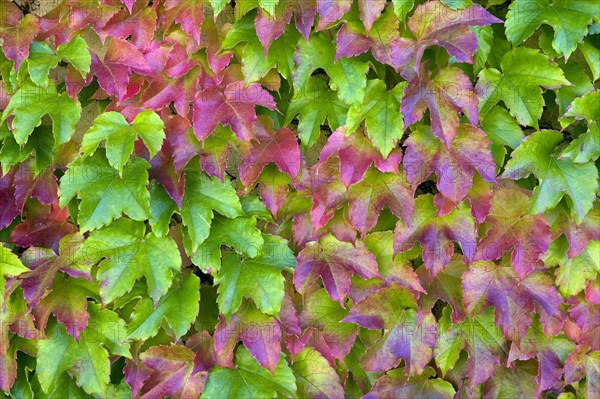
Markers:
486,284
445,96
436,234
455,166
334,262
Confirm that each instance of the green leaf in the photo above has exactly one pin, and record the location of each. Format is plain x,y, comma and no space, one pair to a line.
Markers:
42,58
315,104
88,359
348,75
315,377
568,18
573,276
127,254
249,380
587,146
162,208
380,109
178,309
104,194
479,336
31,102
524,70
204,194
10,265
259,278
558,176
113,128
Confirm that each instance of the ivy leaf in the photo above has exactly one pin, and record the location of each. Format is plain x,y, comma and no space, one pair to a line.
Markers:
569,19
574,274
114,70
45,226
396,384
453,166
353,39
384,132
334,262
113,128
279,147
314,105
17,33
551,353
232,105
482,340
445,96
44,265
30,103
393,268
42,59
67,300
558,176
436,234
203,195
249,380
104,194
323,316
189,14
486,284
10,266
260,334
239,233
87,359
587,146
315,377
348,75
524,70
356,154
435,24
510,227
331,11
368,197
393,308
171,373
127,254
178,308
445,286
257,278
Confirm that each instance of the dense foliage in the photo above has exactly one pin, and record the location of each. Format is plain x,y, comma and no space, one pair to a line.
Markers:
300,198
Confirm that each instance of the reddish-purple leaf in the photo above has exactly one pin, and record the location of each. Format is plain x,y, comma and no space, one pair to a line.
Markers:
44,226
445,96
436,234
231,104
260,334
370,10
356,153
17,32
393,309
334,262
511,227
279,147
486,284
435,24
332,337
331,11
140,27
188,13
351,40
455,166
171,373
375,191
9,210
